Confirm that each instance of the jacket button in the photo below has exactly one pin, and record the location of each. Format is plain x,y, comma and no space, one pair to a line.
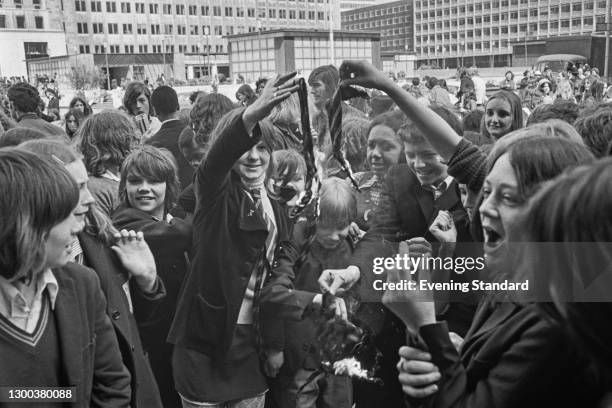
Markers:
116,315
132,347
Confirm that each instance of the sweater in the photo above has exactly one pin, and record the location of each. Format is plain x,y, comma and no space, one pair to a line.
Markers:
468,165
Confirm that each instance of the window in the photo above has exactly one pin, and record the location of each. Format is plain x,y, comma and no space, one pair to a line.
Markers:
250,12
155,29
554,10
218,30
193,30
205,10
565,8
302,15
153,8
205,30
129,49
83,49
168,29
180,9
217,11
111,7
140,8
18,3
35,3
2,21
272,13
82,28
112,28
96,6
167,9
97,28
577,7
181,29
125,7
193,10
291,14
565,23
20,21
79,5
239,11
141,28
127,29
228,12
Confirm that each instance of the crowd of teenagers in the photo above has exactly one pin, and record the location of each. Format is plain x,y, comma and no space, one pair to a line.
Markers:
211,257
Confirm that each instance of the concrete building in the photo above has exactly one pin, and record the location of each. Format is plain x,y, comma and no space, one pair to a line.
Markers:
346,5
395,23
28,29
449,33
279,51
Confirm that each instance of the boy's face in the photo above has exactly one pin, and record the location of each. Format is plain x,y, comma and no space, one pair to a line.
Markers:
330,237
146,195
194,154
252,165
320,93
425,162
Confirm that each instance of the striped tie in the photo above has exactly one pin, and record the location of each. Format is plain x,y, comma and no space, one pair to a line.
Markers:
272,233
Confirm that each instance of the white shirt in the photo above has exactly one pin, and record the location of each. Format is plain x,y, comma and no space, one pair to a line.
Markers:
13,303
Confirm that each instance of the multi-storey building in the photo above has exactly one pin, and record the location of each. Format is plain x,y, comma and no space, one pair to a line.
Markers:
28,29
346,5
394,21
449,33
195,29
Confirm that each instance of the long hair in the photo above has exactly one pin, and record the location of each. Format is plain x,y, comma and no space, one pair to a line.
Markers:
35,195
87,109
132,92
97,222
206,113
516,109
153,164
74,113
338,204
105,139
571,262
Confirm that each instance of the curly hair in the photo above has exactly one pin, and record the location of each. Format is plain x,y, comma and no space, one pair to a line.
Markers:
596,131
24,97
560,109
105,139
205,115
153,164
132,92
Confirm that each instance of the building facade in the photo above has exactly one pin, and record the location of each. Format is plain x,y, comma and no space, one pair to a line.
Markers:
28,29
449,33
278,51
346,5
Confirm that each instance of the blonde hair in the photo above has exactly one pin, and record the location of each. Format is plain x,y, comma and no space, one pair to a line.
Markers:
337,203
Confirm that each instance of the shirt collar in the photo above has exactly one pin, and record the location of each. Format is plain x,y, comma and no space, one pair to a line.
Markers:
169,120
13,300
443,185
110,176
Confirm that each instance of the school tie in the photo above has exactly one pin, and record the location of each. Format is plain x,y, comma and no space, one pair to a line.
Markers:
76,252
272,233
436,190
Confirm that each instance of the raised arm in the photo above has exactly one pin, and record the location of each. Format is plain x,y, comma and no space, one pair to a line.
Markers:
441,136
239,135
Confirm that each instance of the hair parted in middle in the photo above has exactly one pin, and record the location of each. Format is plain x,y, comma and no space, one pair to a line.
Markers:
132,92
338,204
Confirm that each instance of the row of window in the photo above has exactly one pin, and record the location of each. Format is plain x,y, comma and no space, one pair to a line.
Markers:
179,9
554,9
36,4
522,28
21,22
168,29
144,48
488,19
376,24
495,4
348,16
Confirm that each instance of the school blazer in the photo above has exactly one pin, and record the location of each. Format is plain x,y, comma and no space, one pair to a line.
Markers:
229,240
512,356
167,137
90,353
112,275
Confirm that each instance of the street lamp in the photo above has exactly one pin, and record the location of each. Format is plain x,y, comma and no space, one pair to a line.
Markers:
107,69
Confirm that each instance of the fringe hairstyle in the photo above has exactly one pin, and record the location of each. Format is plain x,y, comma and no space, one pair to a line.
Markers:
35,196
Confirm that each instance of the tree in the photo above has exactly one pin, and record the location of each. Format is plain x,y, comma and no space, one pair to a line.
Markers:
82,77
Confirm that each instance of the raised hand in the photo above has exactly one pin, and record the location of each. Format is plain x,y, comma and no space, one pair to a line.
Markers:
364,74
443,227
275,91
136,257
274,361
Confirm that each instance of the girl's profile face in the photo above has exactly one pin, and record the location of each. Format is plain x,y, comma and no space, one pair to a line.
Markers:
58,245
500,211
384,148
146,195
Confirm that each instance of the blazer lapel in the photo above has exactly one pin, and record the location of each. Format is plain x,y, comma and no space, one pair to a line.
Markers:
70,328
426,204
449,198
250,218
